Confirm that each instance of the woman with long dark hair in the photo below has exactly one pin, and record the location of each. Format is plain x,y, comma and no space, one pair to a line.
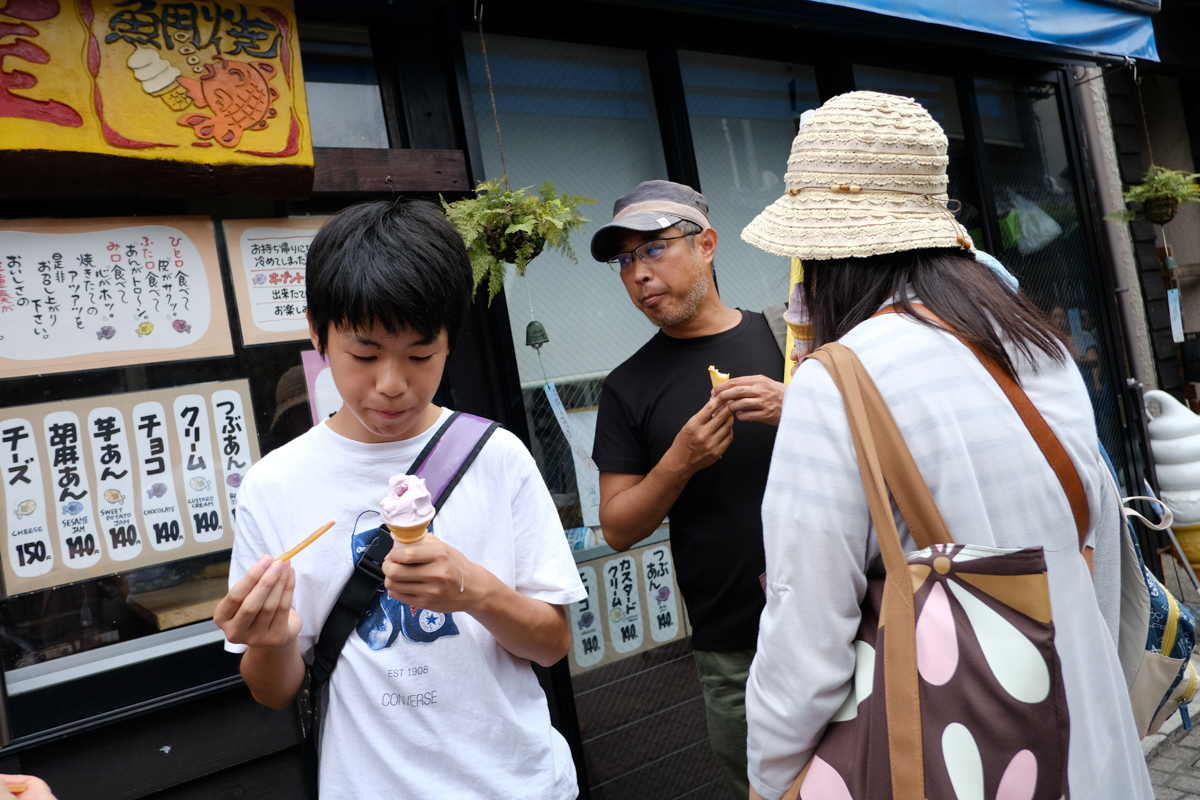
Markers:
867,213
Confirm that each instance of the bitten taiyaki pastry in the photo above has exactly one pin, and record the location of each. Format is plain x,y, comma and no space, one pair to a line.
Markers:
407,509
717,377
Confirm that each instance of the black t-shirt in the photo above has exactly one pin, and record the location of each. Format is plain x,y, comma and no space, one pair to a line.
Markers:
716,524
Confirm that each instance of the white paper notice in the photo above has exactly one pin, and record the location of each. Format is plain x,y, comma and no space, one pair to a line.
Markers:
112,461
579,428
587,630
79,538
28,548
624,604
200,484
663,607
274,260
140,288
160,509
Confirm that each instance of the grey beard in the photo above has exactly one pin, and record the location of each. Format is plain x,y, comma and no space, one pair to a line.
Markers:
688,306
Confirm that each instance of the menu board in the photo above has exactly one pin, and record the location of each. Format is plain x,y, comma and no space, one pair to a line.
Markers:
632,605
268,258
93,293
109,484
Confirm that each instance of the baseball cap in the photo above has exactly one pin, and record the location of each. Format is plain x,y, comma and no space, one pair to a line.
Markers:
651,206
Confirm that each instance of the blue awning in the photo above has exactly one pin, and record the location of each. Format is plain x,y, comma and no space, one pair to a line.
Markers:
1078,24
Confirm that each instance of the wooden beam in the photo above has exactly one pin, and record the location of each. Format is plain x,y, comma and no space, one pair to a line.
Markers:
343,170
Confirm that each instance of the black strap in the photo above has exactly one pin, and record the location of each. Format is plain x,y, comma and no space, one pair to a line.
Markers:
365,581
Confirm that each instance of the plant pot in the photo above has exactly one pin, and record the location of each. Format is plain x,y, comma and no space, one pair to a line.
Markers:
1161,209
505,248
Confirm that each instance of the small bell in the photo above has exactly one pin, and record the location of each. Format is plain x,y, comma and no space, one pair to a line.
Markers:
535,335
1170,262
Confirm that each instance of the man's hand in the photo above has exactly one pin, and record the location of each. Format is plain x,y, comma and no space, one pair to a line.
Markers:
753,398
432,575
705,437
258,609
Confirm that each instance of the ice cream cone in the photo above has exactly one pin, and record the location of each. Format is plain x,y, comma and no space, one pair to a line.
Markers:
717,377
408,534
802,331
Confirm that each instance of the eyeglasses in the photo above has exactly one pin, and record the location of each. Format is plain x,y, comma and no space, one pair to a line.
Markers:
650,251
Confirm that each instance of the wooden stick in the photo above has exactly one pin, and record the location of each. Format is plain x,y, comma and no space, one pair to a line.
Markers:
312,538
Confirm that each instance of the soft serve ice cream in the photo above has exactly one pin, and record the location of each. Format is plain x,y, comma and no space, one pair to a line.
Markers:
407,509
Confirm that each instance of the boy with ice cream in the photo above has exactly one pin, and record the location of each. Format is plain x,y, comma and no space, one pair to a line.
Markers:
433,695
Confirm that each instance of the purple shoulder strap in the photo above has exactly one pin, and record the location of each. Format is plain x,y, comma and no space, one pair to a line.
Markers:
450,452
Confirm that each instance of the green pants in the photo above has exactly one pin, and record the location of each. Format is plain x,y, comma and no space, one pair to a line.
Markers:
723,678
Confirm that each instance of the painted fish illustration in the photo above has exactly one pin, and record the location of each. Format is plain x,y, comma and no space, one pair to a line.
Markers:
114,496
234,480
616,614
239,94
663,593
181,326
199,484
585,620
260,279
157,490
145,329
25,508
107,332
72,508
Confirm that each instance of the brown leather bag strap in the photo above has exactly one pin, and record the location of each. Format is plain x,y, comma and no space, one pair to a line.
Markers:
1047,442
897,615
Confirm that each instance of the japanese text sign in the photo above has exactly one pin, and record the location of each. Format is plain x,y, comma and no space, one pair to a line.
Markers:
85,294
268,258
632,605
104,485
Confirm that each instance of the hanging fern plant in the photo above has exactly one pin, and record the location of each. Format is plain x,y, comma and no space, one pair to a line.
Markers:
1160,193
501,226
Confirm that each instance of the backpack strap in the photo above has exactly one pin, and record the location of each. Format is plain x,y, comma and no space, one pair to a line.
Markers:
441,464
1047,442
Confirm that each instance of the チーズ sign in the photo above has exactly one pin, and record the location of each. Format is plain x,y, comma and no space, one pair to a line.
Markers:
178,98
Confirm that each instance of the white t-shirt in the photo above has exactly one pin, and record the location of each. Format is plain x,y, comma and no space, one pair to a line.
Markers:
421,705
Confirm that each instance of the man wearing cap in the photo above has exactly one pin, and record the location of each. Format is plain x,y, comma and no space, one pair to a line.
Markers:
668,443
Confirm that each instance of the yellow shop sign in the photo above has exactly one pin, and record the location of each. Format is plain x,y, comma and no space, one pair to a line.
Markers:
208,82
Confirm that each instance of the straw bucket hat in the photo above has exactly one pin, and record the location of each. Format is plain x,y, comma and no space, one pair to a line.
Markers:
867,175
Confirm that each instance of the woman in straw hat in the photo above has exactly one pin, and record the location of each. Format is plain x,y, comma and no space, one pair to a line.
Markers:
866,210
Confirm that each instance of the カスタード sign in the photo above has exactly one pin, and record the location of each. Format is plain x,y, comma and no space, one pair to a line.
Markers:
179,98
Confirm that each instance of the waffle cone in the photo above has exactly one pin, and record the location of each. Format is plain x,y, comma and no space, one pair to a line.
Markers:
410,534
717,376
802,330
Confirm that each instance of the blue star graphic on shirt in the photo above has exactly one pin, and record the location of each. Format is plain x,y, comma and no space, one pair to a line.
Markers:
386,618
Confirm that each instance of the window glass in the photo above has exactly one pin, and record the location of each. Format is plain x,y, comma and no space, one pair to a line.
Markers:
1041,240
744,113
937,94
345,108
583,118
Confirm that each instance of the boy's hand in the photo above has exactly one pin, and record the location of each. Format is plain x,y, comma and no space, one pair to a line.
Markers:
753,398
258,609
432,575
35,788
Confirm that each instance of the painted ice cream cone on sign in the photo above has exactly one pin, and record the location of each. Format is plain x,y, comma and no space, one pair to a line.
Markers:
1175,444
407,509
